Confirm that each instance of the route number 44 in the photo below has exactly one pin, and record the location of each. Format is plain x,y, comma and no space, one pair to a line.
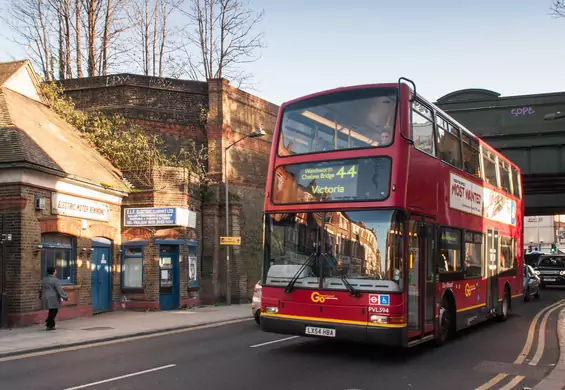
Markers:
352,172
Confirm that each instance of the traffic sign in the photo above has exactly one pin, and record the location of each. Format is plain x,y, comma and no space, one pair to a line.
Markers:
230,241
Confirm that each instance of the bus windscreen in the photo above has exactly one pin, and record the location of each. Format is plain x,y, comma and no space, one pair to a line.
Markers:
352,119
333,181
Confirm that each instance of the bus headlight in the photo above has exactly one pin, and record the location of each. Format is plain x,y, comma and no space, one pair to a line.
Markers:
271,309
378,319
561,273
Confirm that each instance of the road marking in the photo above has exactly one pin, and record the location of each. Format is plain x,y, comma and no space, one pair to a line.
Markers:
525,350
513,382
121,377
274,341
531,332
541,337
117,341
492,382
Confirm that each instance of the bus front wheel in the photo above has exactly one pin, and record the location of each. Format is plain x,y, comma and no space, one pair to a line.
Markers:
444,323
505,306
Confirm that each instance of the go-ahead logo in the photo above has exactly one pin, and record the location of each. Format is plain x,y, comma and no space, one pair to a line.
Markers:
316,297
469,289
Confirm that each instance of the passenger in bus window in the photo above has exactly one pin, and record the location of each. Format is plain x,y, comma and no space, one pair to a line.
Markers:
386,138
467,167
319,145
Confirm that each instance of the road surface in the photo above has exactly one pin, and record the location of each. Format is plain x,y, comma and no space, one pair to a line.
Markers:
240,356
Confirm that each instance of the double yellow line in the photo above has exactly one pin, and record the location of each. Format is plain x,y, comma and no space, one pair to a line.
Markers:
546,312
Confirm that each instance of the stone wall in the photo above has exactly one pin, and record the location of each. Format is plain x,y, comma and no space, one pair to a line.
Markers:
24,253
214,114
171,188
11,202
174,109
247,163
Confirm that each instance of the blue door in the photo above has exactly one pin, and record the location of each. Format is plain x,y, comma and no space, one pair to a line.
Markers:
101,286
169,278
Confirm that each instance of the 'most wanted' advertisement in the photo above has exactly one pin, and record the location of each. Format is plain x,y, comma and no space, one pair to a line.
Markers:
465,195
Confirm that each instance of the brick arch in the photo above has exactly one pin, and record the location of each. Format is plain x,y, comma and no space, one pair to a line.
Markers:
65,226
101,230
133,233
169,234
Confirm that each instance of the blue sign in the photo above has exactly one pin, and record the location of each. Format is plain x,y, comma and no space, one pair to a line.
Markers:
384,300
150,216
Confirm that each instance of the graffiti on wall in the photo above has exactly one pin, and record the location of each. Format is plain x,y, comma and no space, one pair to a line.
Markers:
522,111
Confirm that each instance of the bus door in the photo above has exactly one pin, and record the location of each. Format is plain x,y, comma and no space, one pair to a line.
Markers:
428,241
420,280
491,260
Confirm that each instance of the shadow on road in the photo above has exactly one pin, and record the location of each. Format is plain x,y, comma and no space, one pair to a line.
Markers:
330,349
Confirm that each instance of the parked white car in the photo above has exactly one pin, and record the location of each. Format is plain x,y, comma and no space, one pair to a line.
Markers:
256,303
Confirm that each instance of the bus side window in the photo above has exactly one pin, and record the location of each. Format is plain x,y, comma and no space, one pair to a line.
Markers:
449,144
489,165
471,156
450,251
505,178
423,129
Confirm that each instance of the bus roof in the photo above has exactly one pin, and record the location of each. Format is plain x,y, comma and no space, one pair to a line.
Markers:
467,131
420,97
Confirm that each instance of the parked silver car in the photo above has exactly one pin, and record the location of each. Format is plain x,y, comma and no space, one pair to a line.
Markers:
256,302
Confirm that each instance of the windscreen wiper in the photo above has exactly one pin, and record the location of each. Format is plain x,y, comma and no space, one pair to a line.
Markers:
290,284
344,279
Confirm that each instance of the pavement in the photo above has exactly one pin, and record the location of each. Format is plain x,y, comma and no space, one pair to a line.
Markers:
520,353
556,379
114,325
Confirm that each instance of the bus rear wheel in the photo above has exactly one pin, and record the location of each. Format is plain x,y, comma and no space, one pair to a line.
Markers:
444,323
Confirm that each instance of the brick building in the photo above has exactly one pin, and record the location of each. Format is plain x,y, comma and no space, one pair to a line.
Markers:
64,205
213,114
53,204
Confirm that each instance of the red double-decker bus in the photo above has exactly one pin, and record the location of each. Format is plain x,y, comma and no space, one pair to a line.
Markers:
386,220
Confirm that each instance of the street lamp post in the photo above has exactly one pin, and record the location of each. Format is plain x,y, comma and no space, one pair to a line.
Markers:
254,134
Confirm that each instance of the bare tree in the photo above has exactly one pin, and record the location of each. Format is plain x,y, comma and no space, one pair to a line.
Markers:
558,8
63,14
112,29
30,20
226,35
77,29
152,40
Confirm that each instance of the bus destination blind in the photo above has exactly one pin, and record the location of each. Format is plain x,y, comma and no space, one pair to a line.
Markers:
332,181
337,181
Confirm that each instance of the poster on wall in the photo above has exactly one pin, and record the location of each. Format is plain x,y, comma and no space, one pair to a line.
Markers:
192,268
465,196
498,207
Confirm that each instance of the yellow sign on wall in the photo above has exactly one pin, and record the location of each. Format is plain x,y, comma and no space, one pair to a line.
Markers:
230,241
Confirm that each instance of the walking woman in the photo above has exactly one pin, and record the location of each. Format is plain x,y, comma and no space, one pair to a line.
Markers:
51,294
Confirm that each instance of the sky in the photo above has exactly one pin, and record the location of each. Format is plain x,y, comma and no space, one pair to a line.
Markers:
512,47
